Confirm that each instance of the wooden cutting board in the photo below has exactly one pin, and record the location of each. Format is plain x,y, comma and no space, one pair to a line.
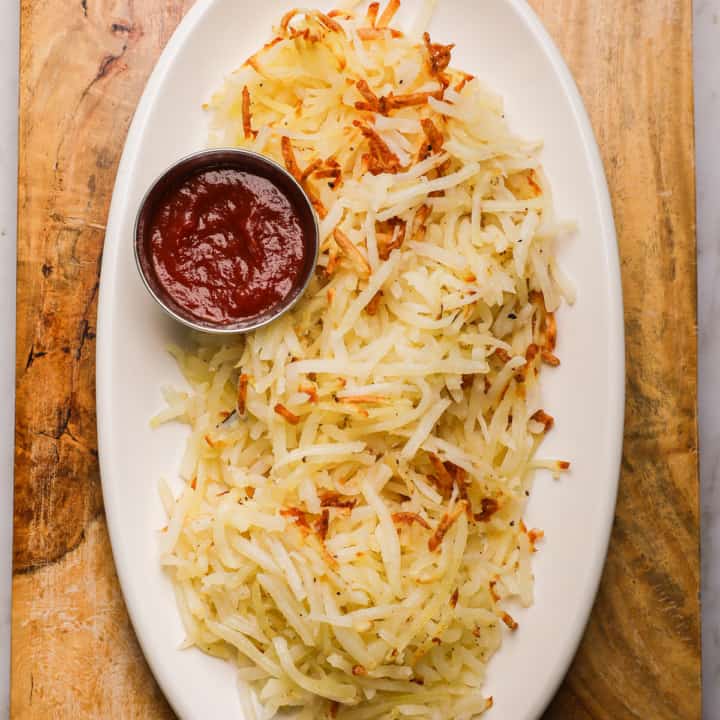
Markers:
83,67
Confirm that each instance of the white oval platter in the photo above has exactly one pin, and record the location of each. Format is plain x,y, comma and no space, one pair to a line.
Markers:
503,43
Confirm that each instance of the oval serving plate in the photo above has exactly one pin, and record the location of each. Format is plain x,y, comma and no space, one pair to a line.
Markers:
506,46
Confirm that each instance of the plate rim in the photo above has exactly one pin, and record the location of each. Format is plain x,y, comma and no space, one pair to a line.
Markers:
614,314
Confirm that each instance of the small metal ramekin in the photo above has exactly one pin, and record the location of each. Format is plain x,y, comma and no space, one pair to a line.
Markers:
244,161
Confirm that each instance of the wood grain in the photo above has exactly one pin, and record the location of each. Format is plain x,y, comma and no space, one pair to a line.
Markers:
640,657
83,67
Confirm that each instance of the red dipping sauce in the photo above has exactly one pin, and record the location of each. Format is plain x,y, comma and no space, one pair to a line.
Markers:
225,245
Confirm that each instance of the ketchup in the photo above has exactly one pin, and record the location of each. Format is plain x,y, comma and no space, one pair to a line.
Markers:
225,245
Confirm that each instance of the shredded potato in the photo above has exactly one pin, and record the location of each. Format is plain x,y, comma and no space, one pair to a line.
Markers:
350,528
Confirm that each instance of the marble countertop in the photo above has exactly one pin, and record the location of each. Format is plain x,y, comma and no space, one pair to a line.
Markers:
707,104
8,202
707,122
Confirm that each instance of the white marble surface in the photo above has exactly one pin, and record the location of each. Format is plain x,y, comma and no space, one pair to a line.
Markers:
8,195
707,92
707,123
